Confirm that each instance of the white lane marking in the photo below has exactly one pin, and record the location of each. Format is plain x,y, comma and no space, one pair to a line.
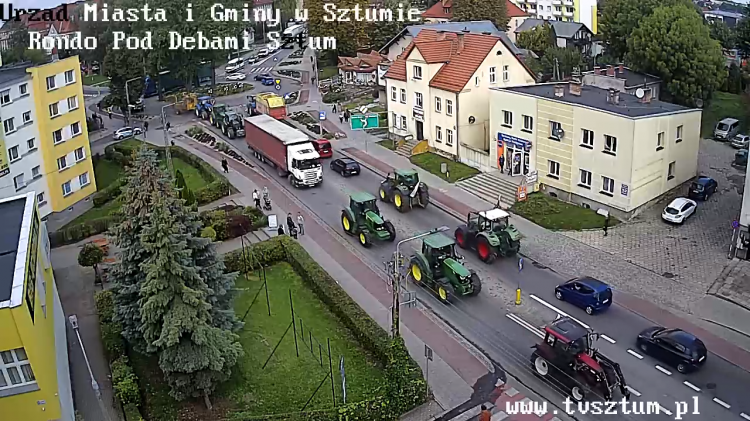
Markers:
722,403
692,386
635,354
633,391
553,308
745,416
663,370
608,339
665,410
525,325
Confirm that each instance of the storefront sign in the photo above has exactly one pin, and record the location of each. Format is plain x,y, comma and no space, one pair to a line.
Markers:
418,114
514,142
624,190
521,193
532,177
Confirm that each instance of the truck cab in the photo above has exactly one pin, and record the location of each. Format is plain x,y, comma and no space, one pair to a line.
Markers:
304,165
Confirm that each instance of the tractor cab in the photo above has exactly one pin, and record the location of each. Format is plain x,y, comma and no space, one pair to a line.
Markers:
409,178
360,203
494,220
363,219
438,248
568,338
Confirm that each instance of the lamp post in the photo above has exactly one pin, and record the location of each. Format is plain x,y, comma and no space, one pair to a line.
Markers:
127,99
166,137
94,385
397,277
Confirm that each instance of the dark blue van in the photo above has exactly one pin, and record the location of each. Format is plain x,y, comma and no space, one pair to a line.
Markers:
590,294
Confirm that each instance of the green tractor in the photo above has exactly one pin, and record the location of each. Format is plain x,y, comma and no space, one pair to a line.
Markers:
363,219
217,114
405,190
490,234
438,268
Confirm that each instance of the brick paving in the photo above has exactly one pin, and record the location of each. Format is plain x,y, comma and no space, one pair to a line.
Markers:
734,284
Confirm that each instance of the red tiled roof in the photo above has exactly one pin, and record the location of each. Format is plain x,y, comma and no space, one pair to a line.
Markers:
364,63
437,11
514,11
62,27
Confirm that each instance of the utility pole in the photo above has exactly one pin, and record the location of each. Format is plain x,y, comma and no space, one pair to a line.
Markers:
167,146
126,112
94,385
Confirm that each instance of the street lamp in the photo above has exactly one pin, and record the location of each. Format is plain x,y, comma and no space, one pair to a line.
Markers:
166,137
94,385
397,277
127,99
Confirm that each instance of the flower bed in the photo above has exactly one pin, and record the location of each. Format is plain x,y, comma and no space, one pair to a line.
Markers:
231,221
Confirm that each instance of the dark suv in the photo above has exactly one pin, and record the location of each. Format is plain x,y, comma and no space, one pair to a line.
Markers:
702,188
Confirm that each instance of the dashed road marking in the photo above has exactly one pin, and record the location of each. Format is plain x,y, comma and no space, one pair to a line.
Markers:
524,324
722,403
608,339
553,308
633,391
745,416
692,386
665,410
663,370
635,354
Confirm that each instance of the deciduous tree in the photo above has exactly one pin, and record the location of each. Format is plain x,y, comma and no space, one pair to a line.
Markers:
742,37
566,58
537,39
90,256
382,32
492,10
674,44
722,33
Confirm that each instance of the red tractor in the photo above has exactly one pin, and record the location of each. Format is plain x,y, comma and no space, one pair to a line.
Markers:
566,357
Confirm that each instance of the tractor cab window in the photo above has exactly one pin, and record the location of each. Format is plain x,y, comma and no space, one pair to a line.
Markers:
409,180
371,205
474,220
443,252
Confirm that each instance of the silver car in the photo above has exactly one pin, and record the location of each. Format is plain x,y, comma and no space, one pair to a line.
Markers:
126,132
741,141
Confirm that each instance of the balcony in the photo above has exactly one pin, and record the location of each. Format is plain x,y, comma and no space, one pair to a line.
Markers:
568,2
557,13
568,14
557,2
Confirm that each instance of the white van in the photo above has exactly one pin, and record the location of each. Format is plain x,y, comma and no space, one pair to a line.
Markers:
234,65
726,129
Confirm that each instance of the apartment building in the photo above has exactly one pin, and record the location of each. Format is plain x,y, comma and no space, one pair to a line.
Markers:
34,373
438,90
582,11
442,12
595,147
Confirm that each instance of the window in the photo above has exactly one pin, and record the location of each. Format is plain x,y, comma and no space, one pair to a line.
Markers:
62,163
506,73
587,138
75,128
5,97
57,136
555,130
553,169
585,179
18,181
72,103
608,186
40,199
80,154
403,122
54,110
36,171
438,105
51,83
418,72
27,117
15,368
394,94
403,96
671,170
69,77
23,89
9,126
438,134
493,75
528,123
660,141
610,144
476,80
83,179
13,153
418,99
31,144
678,138
394,119
449,137
448,107
507,118
66,188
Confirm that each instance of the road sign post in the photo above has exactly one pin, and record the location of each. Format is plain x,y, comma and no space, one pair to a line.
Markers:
428,358
321,115
518,288
364,122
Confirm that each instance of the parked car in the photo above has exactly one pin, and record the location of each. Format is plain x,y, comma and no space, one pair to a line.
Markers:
323,148
267,81
726,129
237,76
263,52
345,166
740,141
679,210
702,188
592,295
126,132
263,76
740,159
675,347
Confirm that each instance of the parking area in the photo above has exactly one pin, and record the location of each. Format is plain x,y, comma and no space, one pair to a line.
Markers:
695,253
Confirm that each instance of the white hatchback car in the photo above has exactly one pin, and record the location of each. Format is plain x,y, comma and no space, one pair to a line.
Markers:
126,132
679,210
237,76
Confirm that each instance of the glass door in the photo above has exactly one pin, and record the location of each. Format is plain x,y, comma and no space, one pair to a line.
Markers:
525,163
516,166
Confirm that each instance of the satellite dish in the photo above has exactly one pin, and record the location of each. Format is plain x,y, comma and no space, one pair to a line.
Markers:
560,133
640,93
699,103
472,119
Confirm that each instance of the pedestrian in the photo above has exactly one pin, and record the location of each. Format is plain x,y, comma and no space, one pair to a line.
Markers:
485,415
301,223
169,125
256,198
341,118
606,225
145,126
347,115
501,162
280,231
225,165
109,113
334,108
499,201
289,222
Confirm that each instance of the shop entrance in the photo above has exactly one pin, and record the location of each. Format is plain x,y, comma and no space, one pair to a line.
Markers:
518,159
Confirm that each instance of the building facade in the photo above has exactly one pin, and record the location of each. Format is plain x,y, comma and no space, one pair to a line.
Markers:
438,91
593,146
582,11
442,12
34,373
567,34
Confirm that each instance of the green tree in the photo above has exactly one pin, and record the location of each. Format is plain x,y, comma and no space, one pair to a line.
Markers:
492,10
121,66
184,191
675,45
537,39
733,83
382,32
90,256
566,59
621,17
742,37
722,33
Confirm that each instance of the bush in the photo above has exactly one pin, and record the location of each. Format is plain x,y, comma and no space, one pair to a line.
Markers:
194,131
75,233
125,382
209,233
213,192
220,228
105,305
332,97
111,332
132,413
119,158
267,253
109,193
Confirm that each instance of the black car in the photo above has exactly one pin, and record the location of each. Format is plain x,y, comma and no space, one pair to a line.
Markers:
263,76
702,188
345,166
675,347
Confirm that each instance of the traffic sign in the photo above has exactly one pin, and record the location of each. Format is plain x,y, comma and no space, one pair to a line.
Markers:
735,224
361,122
321,115
278,87
520,264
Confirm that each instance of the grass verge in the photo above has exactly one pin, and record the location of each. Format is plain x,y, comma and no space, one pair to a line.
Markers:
94,79
106,172
555,214
328,72
388,144
725,105
431,162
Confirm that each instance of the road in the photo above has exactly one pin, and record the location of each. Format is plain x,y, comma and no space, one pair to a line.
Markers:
506,332
263,66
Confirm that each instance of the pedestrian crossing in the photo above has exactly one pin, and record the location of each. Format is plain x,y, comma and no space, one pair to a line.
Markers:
260,69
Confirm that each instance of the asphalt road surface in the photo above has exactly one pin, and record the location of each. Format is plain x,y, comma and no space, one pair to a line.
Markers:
506,332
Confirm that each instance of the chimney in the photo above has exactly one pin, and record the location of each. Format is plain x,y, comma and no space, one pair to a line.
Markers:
440,36
575,88
597,70
559,91
460,43
610,71
646,96
621,69
613,96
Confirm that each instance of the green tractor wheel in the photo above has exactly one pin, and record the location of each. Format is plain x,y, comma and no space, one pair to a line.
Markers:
402,202
476,284
383,194
484,250
445,292
364,239
424,198
391,230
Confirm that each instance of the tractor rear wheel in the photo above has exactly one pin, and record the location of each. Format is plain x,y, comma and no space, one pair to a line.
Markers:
364,239
476,284
391,230
484,250
577,393
515,247
445,292
424,198
417,271
347,223
403,204
460,237
383,194
541,366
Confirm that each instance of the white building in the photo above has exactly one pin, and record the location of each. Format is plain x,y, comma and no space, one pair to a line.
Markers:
582,11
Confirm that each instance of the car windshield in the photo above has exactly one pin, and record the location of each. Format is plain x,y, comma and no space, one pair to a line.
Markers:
722,126
697,187
351,165
672,211
308,164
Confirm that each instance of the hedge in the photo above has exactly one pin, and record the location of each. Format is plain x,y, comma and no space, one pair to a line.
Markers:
75,233
111,192
406,387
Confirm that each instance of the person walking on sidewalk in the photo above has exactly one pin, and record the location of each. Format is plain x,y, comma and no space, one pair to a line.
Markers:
301,223
334,108
289,222
280,231
225,165
341,118
485,415
347,115
109,113
256,198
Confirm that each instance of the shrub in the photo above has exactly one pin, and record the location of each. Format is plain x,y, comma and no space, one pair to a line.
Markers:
109,153
75,233
267,252
132,413
119,158
105,305
109,193
194,131
331,97
212,192
125,382
238,225
209,232
111,332
220,228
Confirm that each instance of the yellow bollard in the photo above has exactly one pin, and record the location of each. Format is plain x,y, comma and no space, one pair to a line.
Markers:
518,296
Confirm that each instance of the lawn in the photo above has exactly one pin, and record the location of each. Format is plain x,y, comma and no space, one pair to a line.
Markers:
388,144
555,214
724,105
328,72
431,162
94,80
106,172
